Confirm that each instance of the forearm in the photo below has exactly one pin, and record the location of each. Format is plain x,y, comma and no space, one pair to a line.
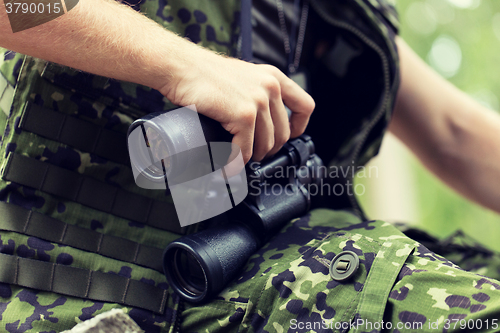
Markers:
106,38
474,161
453,135
109,39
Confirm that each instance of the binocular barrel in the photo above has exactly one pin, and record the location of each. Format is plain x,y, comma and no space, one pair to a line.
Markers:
198,266
295,153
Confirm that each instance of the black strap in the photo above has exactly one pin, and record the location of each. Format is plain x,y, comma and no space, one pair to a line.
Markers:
82,283
246,30
21,220
74,132
90,192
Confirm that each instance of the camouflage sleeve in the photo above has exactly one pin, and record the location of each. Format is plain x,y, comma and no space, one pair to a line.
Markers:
388,10
461,249
400,285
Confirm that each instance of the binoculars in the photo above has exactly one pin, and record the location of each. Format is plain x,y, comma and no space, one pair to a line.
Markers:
199,265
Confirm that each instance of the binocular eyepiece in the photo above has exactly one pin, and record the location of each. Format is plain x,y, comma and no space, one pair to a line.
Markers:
198,266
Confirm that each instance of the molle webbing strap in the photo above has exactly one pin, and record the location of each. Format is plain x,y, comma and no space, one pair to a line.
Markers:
80,134
91,193
82,283
21,220
6,94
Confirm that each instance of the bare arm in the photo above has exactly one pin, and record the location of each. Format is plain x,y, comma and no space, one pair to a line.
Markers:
105,38
109,39
453,135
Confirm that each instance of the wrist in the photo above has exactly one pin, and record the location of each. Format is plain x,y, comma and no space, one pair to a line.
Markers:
184,68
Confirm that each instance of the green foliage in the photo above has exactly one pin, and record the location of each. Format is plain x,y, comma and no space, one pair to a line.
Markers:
476,31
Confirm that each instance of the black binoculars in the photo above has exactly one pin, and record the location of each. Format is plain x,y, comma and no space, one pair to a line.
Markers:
198,266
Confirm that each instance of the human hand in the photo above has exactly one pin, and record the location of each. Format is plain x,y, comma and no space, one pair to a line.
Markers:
247,99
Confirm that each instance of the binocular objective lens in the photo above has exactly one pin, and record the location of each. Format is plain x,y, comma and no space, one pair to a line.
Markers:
189,273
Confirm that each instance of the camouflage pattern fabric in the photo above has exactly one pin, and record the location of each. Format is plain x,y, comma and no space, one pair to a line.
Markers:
461,249
285,286
399,286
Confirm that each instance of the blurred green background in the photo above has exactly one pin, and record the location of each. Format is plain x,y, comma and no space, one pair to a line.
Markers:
460,39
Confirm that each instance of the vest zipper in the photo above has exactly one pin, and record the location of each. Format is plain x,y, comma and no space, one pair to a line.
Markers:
380,112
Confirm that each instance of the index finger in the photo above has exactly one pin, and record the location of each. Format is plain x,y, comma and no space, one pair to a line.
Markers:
299,102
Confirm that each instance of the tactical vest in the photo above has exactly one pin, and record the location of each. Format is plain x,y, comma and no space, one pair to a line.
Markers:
79,235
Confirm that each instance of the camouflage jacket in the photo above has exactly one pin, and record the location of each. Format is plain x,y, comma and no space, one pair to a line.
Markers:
74,245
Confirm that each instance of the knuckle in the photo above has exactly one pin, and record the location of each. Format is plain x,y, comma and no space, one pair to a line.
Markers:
269,68
272,85
311,106
276,71
262,102
248,117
